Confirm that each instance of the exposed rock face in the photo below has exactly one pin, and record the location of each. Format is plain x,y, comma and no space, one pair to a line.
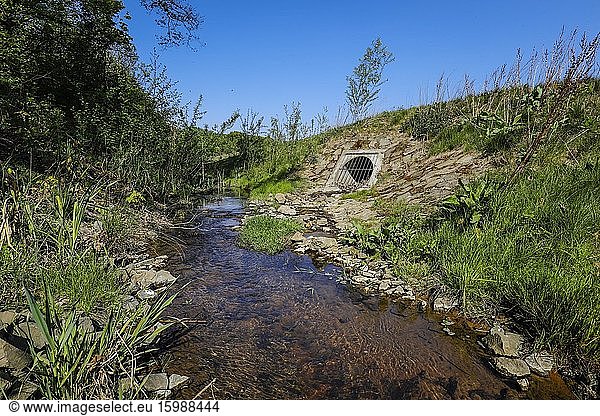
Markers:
510,367
541,363
12,357
503,343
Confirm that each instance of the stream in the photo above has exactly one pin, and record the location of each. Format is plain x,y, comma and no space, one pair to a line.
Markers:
266,327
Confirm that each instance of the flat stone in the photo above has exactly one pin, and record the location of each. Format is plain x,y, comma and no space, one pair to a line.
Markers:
523,384
155,382
297,237
12,357
176,380
503,343
31,331
287,210
280,198
7,318
444,304
384,286
510,367
541,363
152,278
162,394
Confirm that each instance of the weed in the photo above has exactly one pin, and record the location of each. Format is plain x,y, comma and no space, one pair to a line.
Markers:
268,234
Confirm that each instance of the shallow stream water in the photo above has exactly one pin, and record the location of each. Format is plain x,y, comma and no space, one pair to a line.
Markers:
262,327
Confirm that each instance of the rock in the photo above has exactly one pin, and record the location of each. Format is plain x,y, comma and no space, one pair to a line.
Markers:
31,331
280,198
155,382
322,222
162,394
510,367
503,343
163,278
12,357
297,237
146,294
25,391
130,303
7,318
384,286
448,331
540,363
176,380
523,384
421,305
152,278
286,210
444,304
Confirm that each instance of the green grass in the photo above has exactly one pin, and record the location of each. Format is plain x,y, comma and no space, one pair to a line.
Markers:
266,189
362,195
84,283
268,234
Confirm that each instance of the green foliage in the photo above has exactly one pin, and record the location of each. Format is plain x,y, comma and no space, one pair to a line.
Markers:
467,206
265,189
361,195
366,80
268,234
84,283
77,364
135,198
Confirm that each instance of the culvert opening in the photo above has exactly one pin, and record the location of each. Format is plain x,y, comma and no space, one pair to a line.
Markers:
356,172
355,169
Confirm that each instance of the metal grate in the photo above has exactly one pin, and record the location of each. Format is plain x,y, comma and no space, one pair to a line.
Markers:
355,173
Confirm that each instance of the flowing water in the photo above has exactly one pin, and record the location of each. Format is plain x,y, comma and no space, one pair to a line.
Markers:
263,327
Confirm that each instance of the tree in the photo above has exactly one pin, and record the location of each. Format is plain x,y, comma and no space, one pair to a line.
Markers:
366,80
177,18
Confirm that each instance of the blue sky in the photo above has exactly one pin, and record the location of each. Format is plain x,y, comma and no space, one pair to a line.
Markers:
265,54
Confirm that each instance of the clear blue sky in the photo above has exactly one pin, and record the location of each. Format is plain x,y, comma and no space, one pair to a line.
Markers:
265,54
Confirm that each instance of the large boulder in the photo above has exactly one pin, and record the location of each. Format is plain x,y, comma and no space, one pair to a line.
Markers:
503,343
287,210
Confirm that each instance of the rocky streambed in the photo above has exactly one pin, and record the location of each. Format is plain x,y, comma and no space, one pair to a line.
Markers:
295,326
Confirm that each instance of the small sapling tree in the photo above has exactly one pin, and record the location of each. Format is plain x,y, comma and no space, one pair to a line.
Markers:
366,80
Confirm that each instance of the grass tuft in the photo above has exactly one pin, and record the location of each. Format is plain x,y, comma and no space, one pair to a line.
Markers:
268,234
